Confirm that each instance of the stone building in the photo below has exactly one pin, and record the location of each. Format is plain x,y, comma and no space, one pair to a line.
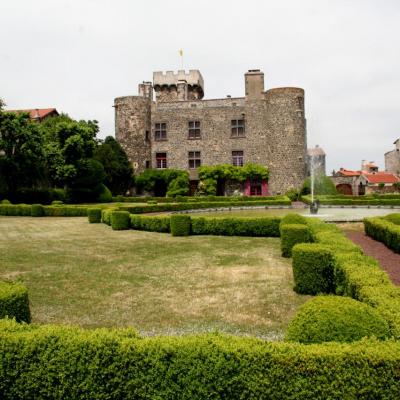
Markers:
179,129
392,159
316,160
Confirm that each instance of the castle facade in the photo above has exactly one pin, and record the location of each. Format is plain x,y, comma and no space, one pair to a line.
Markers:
179,129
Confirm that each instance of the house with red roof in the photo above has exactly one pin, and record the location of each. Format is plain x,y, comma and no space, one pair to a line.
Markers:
37,114
367,180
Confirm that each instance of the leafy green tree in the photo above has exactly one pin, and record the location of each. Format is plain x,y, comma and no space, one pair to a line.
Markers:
118,171
323,185
21,152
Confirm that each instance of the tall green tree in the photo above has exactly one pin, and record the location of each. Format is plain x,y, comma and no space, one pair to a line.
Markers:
21,152
119,172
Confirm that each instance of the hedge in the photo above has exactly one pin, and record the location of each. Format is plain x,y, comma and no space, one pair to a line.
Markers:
18,210
180,225
293,219
394,218
120,220
94,215
200,199
148,208
336,318
14,301
384,231
37,210
292,234
106,215
236,226
343,200
43,362
312,268
150,223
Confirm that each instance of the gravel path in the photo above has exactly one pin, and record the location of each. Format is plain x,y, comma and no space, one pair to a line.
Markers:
389,260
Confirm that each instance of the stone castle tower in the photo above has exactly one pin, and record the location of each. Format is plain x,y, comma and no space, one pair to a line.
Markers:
179,129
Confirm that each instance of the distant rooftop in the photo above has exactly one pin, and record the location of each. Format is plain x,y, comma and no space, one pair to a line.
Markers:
37,113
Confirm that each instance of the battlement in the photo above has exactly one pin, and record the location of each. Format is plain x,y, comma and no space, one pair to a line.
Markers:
193,78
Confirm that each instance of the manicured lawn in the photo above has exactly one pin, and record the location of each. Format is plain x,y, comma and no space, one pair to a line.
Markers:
89,275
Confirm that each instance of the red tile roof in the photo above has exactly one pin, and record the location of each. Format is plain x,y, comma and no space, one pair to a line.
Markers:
37,113
348,172
381,177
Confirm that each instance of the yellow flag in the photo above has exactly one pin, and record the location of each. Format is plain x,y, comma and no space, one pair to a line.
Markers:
181,52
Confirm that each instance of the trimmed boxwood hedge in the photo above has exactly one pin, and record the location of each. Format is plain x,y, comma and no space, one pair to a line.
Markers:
150,223
18,210
37,210
120,220
94,215
236,226
384,231
292,234
312,268
336,318
180,225
343,200
14,301
43,362
202,199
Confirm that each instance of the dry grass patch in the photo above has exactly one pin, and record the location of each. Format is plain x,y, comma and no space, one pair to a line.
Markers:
89,275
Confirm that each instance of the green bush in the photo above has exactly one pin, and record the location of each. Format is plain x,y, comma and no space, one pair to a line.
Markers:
293,194
37,210
344,200
151,202
150,223
16,210
105,195
336,318
106,215
393,218
94,215
323,185
293,219
65,211
47,362
236,226
5,201
119,220
312,268
180,225
292,234
384,231
57,203
14,302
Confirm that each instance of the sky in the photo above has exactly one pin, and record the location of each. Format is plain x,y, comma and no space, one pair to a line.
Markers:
78,55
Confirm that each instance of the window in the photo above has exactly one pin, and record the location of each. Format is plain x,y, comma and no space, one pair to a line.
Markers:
160,131
237,158
237,128
147,136
161,160
147,164
194,159
194,129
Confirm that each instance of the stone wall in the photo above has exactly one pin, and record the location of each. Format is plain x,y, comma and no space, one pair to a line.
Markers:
392,162
275,133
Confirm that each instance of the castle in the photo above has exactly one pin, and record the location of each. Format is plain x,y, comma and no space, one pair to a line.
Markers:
181,130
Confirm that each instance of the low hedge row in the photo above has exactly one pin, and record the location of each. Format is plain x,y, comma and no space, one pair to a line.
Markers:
94,215
355,201
43,362
120,220
37,210
151,223
14,301
394,218
148,208
236,226
199,199
384,231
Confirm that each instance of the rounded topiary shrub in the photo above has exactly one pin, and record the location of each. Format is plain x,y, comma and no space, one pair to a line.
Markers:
5,201
336,318
180,225
57,203
94,215
14,302
37,210
120,220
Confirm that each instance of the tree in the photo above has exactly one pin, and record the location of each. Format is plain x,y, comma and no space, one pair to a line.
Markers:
21,152
118,171
323,185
